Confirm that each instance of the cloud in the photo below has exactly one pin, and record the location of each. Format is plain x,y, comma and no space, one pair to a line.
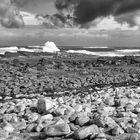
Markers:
30,19
9,14
110,23
137,18
88,10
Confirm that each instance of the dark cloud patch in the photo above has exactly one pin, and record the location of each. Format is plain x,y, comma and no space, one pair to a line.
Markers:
127,17
88,10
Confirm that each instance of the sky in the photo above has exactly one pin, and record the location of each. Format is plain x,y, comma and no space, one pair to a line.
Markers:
40,7
96,23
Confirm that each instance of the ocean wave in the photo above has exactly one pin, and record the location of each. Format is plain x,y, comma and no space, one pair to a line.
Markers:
128,50
109,54
29,50
8,49
48,47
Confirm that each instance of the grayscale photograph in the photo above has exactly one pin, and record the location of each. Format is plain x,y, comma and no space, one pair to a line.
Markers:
69,69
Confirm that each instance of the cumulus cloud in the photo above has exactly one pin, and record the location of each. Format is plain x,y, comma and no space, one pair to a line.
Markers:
9,14
110,23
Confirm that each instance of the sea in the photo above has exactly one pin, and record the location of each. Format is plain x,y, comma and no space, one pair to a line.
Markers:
109,51
112,51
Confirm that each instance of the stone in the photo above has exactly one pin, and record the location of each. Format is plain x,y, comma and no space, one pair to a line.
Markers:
8,127
134,136
73,117
129,107
44,105
78,108
3,134
117,131
31,127
87,110
82,120
69,110
102,121
33,117
20,108
109,110
134,121
100,136
46,118
137,109
39,128
20,125
131,130
7,117
109,101
59,111
74,127
60,128
60,100
84,132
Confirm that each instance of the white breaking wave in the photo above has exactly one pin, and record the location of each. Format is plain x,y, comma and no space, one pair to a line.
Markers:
8,49
109,54
28,50
49,47
129,50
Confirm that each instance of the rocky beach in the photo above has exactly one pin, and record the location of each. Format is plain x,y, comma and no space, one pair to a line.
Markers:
69,97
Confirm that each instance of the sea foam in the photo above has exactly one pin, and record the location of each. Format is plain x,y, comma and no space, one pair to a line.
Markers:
109,54
49,47
128,50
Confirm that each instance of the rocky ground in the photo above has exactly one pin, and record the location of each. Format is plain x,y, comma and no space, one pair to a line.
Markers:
69,97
